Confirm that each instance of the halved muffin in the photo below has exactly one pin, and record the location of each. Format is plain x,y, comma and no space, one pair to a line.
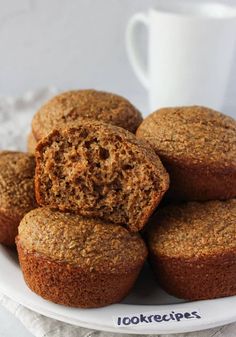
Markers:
99,170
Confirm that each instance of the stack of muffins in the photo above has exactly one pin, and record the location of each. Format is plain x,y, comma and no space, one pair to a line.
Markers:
97,185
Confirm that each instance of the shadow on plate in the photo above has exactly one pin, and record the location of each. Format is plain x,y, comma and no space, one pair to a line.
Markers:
147,291
10,254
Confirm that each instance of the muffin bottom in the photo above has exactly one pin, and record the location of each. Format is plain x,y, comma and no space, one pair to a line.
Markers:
70,285
199,183
8,228
197,278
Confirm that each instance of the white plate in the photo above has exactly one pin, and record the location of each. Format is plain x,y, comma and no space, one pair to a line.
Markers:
145,301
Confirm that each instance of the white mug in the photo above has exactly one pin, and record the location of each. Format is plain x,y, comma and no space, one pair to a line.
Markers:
189,55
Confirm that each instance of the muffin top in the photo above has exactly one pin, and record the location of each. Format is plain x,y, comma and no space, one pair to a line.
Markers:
72,105
194,229
31,143
16,183
193,134
88,243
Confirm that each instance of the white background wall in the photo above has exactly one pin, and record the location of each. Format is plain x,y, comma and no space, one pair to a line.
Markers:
71,44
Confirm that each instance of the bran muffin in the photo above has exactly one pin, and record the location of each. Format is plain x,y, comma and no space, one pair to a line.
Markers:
99,170
31,143
193,249
76,261
72,105
197,146
16,192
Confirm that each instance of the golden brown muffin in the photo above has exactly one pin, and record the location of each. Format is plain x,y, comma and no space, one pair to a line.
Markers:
99,170
197,146
31,143
76,261
193,249
72,105
16,192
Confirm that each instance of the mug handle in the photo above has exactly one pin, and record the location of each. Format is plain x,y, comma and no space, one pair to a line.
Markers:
132,47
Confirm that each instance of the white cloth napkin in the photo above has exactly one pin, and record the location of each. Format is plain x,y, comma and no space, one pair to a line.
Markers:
15,118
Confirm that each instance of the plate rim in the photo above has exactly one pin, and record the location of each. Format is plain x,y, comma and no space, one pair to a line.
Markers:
83,324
